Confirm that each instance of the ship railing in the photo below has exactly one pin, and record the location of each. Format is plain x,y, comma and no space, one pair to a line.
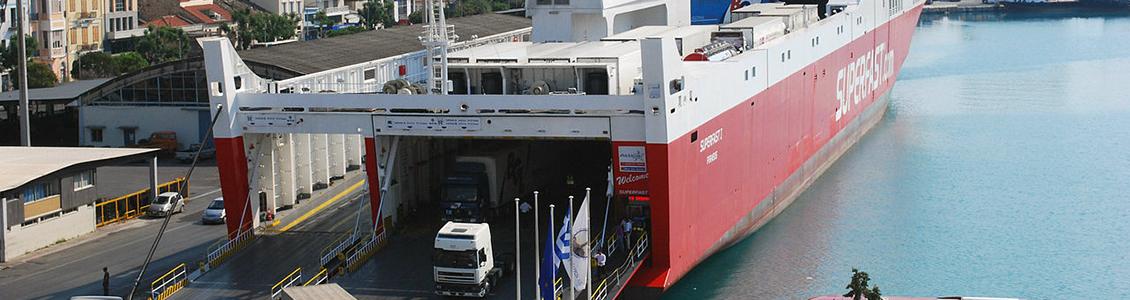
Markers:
616,278
319,278
337,249
363,253
288,281
164,286
220,253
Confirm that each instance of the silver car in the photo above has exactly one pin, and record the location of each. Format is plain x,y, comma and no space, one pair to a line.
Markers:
167,203
214,214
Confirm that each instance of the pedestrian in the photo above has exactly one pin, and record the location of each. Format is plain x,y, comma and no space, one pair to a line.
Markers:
105,282
601,260
628,230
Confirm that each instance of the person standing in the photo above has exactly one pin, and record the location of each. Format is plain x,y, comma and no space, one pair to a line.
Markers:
105,282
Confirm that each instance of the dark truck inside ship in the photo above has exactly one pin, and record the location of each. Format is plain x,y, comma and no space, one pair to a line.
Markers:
436,180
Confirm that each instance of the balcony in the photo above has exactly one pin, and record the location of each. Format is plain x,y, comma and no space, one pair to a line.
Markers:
337,11
58,52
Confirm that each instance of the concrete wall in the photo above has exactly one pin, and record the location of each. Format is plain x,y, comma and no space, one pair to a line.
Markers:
148,119
19,240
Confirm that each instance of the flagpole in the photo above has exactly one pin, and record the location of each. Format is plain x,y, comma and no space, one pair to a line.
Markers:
552,281
518,248
537,256
573,214
588,283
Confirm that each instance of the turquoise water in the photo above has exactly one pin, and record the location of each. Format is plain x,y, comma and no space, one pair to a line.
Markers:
1001,169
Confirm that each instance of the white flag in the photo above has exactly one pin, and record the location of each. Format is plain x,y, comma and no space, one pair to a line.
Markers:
581,247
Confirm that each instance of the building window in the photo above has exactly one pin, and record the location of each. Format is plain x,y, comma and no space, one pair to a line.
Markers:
96,135
38,191
370,74
84,180
129,136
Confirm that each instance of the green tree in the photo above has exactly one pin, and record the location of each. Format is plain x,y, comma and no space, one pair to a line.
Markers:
874,294
39,75
377,12
857,289
251,27
345,31
93,65
9,55
129,62
324,23
415,17
163,44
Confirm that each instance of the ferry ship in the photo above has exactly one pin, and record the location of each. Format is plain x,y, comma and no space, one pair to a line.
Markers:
715,127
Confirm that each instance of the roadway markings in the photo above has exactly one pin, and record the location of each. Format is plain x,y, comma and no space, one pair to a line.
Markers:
302,218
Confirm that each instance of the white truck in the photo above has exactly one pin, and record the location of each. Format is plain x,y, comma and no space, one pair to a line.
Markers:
464,262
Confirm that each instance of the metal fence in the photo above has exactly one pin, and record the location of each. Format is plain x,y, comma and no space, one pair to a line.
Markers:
288,281
363,253
133,204
170,283
338,248
616,277
319,278
218,254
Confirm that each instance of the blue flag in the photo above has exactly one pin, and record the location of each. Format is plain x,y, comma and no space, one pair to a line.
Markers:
549,265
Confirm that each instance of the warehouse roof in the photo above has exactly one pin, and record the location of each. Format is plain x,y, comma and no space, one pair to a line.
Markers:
329,53
25,164
65,91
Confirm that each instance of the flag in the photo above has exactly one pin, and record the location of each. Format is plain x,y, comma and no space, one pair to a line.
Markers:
564,246
549,265
581,248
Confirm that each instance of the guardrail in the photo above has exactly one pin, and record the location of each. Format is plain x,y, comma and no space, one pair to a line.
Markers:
338,249
133,204
219,254
286,282
170,283
355,260
319,278
615,278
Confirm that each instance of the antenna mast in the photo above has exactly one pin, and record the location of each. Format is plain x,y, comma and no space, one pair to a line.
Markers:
437,37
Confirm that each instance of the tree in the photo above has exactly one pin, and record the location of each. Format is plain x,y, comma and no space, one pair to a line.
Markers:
251,27
129,62
323,22
858,286
415,17
93,65
874,294
39,75
9,55
163,44
377,12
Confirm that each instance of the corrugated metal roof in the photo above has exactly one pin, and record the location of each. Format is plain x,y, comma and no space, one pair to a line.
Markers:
65,91
329,53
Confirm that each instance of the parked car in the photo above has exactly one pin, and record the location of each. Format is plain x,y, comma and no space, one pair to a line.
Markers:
185,156
166,204
214,214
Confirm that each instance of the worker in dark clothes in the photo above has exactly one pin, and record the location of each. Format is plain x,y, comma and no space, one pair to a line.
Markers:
105,282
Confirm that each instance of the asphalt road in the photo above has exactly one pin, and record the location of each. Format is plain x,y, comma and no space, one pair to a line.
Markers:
75,267
252,271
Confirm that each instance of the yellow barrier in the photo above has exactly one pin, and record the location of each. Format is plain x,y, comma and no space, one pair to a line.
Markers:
319,278
133,204
286,282
170,283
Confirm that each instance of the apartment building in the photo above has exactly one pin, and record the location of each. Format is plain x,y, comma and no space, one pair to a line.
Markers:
121,25
48,24
84,22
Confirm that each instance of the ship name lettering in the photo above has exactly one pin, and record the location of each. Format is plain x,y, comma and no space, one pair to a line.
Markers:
710,140
857,80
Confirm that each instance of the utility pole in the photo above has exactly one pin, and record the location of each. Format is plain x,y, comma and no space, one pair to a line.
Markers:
25,113
537,257
518,248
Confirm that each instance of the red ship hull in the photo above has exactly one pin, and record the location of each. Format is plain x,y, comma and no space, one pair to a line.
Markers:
777,143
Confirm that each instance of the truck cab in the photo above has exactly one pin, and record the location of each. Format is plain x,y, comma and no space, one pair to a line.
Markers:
469,194
463,260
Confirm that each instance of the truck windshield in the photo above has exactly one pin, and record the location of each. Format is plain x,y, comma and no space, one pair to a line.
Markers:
455,259
460,193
